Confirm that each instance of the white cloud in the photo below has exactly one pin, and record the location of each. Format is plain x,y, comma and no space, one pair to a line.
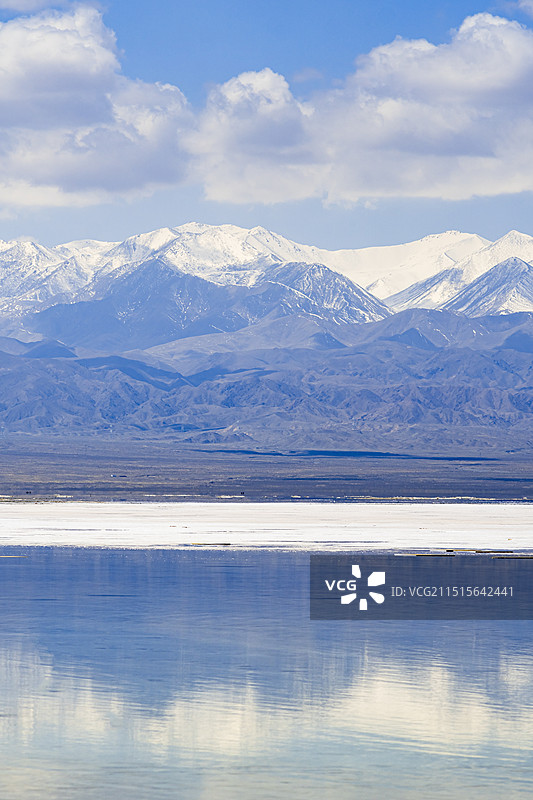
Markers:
413,120
254,138
448,121
73,130
57,70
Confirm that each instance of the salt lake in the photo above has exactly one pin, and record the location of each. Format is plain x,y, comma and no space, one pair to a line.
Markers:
166,651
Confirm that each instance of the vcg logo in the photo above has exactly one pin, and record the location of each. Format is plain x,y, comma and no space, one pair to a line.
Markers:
350,592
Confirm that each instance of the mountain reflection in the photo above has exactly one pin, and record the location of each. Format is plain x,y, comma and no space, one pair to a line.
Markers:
189,664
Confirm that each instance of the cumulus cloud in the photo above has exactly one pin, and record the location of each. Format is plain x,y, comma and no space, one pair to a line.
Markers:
73,129
447,121
413,120
254,138
57,71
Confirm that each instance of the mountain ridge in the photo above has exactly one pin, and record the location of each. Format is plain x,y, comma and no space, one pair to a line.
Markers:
223,335
439,289
219,253
504,289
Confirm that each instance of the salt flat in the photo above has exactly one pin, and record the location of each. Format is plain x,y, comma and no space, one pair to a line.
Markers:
314,526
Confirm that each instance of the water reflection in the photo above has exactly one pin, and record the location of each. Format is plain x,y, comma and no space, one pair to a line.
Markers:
199,675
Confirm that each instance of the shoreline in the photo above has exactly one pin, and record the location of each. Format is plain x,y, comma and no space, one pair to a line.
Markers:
331,526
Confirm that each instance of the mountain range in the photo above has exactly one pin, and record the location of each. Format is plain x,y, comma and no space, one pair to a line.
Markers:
218,334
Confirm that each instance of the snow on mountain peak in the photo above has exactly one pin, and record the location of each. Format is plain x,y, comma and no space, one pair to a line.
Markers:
386,271
505,289
423,273
515,236
436,291
146,242
231,254
512,244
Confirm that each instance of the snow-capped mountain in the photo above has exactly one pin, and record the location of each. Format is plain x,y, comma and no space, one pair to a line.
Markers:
427,273
158,303
221,334
25,267
224,254
229,254
87,251
513,245
387,270
33,275
504,289
345,300
437,290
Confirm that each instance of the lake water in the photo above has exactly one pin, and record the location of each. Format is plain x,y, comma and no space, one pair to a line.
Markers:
148,674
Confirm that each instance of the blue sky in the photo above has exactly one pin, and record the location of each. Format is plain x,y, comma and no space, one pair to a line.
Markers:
312,119
209,41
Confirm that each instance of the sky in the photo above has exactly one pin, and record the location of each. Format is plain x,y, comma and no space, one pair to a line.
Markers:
339,123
